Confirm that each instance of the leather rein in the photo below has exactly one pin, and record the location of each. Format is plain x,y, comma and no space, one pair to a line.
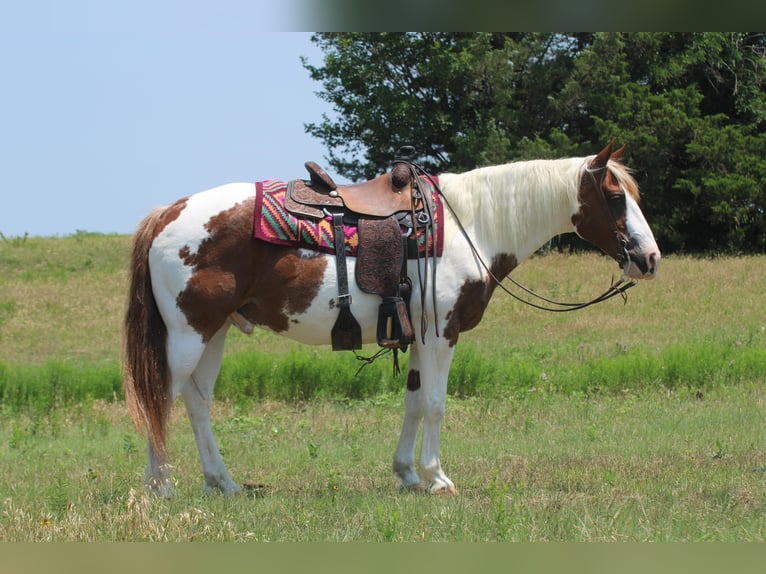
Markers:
616,288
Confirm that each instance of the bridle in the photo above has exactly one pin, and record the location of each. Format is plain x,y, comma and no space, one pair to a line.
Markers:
616,288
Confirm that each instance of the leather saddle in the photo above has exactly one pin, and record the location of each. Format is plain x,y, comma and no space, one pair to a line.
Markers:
382,196
378,207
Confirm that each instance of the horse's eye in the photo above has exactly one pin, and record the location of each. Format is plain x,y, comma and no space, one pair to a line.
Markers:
616,199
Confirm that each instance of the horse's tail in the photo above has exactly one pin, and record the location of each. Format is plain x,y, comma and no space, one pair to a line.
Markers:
145,362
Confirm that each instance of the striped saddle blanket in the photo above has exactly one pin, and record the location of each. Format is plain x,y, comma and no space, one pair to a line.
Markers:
274,224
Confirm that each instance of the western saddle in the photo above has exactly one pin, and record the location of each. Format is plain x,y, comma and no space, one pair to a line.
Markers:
382,196
380,208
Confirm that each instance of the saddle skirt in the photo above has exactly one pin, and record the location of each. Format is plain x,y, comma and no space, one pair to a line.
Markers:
273,223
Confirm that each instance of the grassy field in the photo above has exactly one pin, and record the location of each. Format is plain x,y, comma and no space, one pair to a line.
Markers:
547,467
628,422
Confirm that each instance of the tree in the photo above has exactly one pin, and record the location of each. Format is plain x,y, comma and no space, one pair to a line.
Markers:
691,106
459,97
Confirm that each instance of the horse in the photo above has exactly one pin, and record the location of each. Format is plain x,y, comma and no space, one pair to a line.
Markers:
195,262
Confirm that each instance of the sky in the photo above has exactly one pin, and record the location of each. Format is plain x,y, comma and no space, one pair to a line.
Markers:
108,109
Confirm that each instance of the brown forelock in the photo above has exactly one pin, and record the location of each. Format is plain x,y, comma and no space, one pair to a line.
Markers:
474,297
232,269
413,380
600,211
626,179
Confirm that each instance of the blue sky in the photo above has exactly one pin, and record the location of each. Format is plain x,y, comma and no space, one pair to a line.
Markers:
108,109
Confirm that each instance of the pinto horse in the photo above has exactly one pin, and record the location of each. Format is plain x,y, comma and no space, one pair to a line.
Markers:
195,262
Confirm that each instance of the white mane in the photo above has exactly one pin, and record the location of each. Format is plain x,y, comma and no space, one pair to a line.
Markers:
515,208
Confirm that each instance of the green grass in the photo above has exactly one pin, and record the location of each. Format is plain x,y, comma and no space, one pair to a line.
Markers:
545,467
628,422
61,298
306,374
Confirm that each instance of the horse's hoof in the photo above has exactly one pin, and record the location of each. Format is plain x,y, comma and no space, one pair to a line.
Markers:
443,490
163,489
231,490
226,487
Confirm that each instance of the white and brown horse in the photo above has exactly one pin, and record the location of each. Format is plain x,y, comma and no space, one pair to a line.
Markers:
196,262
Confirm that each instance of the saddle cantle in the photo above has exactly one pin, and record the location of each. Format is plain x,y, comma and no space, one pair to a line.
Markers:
379,207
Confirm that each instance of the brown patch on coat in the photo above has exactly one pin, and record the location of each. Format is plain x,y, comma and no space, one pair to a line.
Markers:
169,215
233,270
474,298
413,380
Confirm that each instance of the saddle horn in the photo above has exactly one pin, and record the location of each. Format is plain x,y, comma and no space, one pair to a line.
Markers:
319,176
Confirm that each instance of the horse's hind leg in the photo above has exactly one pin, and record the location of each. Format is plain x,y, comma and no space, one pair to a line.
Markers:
157,475
197,394
185,348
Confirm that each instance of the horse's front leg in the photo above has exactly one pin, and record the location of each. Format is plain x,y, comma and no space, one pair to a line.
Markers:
425,401
434,398
404,457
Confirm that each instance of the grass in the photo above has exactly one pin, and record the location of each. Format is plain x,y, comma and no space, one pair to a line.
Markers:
546,467
627,422
310,373
63,298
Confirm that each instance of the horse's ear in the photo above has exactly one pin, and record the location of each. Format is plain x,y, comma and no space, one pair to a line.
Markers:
599,162
617,155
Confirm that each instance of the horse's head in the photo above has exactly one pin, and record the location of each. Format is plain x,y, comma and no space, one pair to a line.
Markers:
609,217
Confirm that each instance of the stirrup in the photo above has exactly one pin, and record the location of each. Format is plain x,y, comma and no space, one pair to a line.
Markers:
394,327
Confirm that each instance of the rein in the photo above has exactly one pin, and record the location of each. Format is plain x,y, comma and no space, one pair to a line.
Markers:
616,288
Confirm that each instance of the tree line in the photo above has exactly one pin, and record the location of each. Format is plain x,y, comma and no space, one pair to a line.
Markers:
691,106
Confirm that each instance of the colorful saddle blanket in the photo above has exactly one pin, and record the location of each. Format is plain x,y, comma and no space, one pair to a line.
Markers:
274,224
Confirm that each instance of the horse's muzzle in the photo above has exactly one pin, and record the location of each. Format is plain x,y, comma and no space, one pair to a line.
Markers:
643,264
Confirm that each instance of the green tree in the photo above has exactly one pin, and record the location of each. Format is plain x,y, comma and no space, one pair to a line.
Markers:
692,107
459,97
